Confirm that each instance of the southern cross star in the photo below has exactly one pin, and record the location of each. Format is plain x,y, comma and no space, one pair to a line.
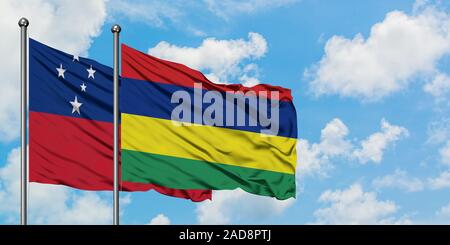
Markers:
91,72
83,87
61,71
76,105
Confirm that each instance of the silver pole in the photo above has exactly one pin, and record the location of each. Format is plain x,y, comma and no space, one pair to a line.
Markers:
116,30
23,23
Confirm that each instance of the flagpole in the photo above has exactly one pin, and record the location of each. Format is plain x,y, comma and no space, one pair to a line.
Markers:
116,30
23,23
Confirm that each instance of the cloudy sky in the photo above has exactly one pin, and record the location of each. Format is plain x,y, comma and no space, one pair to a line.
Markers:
370,80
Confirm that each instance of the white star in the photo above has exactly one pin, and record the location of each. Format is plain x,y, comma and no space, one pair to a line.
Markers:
61,71
76,105
83,87
75,57
91,72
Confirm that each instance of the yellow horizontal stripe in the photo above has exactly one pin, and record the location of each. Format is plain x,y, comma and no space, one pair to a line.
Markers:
208,143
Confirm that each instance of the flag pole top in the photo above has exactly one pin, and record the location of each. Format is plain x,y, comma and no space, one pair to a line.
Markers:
116,28
24,22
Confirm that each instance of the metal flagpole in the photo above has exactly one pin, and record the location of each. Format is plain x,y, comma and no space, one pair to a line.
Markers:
116,30
23,23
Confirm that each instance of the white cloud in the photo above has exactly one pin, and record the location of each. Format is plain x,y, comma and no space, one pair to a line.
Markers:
310,160
444,211
397,49
10,183
373,147
439,86
234,206
445,153
177,13
249,75
314,159
354,206
441,181
399,179
67,25
332,138
154,13
223,68
160,219
228,8
50,204
439,131
439,134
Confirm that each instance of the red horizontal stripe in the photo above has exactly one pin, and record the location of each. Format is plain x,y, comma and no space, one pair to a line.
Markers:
79,153
141,66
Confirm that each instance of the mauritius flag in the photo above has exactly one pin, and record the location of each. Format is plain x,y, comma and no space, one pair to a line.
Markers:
182,131
71,124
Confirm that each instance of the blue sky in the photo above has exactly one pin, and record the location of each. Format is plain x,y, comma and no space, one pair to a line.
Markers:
371,87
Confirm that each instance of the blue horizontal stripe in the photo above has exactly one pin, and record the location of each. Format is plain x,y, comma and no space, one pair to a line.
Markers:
51,94
154,100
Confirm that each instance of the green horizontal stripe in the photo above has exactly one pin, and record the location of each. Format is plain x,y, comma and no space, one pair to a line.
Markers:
180,173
